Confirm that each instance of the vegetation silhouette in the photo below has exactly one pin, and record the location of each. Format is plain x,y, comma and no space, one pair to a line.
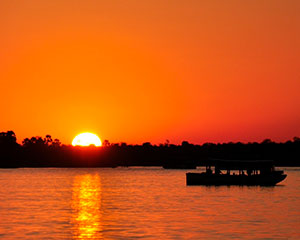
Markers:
46,152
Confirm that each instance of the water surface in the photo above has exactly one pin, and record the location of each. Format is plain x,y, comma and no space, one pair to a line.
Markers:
147,203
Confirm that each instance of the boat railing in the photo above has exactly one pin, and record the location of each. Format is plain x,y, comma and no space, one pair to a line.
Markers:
243,167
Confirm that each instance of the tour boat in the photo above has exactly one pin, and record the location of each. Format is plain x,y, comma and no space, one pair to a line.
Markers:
237,173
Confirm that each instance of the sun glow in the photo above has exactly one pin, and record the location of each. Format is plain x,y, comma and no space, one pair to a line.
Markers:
86,139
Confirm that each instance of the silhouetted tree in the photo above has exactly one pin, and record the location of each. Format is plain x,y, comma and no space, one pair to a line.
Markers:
34,141
266,141
185,144
106,143
56,143
146,144
296,139
8,137
9,149
48,140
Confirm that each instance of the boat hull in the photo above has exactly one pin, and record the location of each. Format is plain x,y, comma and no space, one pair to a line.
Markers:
223,179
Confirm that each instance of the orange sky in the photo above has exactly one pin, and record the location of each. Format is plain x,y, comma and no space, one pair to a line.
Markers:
136,71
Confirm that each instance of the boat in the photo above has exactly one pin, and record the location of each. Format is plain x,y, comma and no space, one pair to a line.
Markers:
227,172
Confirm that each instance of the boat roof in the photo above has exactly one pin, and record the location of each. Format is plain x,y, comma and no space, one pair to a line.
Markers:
240,164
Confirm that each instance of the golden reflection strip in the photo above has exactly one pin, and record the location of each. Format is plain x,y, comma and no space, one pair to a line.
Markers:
86,205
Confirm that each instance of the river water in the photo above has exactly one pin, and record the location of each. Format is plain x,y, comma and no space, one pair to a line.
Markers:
146,203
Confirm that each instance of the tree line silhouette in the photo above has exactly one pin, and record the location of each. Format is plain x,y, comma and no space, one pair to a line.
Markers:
48,152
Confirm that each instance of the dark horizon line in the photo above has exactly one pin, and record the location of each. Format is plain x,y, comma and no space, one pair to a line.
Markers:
46,152
167,142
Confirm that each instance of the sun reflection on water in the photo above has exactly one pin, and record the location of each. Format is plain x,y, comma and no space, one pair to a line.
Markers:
86,204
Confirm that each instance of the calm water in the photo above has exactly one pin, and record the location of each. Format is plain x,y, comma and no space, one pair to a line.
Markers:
148,203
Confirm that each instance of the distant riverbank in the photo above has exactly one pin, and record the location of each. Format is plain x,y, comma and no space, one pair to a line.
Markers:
46,152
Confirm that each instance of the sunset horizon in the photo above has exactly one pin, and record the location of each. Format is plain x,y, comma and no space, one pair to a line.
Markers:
150,71
150,119
164,141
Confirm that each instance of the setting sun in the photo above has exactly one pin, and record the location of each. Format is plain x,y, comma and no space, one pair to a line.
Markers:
86,139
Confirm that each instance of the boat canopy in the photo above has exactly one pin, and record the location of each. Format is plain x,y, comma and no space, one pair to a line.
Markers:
240,164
